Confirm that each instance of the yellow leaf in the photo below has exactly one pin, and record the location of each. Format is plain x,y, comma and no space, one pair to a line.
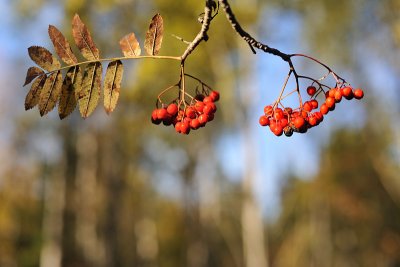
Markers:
112,85
71,85
50,93
90,93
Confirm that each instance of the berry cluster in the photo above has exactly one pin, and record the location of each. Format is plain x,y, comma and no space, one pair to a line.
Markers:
187,116
286,120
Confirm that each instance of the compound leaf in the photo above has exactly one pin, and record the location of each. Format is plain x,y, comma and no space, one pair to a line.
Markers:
32,98
83,39
69,91
50,93
90,93
62,46
43,58
130,46
32,73
112,85
154,36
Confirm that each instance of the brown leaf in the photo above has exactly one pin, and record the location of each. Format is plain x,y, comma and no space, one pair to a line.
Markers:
90,93
32,98
83,39
69,96
112,85
61,45
130,46
43,58
154,36
50,93
32,73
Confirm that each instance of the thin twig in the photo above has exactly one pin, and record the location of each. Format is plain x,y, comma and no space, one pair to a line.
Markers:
114,59
180,39
202,35
246,36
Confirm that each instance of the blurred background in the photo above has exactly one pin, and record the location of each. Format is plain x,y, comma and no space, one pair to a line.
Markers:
119,191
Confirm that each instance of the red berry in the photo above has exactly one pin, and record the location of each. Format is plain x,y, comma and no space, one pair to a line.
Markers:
346,91
154,115
288,111
284,122
311,90
207,99
185,128
162,113
278,114
264,121
358,93
307,106
214,95
172,109
213,106
187,120
312,121
203,119
167,121
324,109
314,103
199,106
338,96
330,102
331,93
208,109
318,115
155,121
195,124
299,122
190,112
268,110
178,127
277,129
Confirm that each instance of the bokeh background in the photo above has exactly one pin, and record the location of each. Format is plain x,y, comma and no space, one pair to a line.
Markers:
118,191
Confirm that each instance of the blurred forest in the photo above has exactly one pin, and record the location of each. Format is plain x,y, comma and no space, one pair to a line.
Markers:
119,191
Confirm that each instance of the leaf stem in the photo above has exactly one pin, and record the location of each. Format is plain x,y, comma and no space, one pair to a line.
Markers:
114,59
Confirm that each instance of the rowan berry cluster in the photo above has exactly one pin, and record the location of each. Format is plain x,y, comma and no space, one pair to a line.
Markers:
187,116
286,120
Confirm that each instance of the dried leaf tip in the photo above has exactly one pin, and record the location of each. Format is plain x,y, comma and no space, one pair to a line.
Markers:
154,35
62,46
43,58
32,73
83,39
130,46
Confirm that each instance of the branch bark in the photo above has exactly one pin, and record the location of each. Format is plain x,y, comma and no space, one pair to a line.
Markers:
202,35
246,36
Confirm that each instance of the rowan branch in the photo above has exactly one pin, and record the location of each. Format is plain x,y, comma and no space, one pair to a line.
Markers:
202,35
246,36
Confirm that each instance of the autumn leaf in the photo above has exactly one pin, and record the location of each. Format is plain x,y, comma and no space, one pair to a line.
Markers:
112,85
43,58
62,46
32,73
130,46
33,96
83,39
154,36
90,92
50,93
70,91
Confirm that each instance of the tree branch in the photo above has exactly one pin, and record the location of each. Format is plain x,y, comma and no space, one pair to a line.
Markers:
202,35
246,36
